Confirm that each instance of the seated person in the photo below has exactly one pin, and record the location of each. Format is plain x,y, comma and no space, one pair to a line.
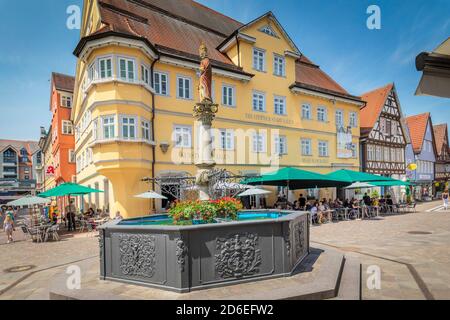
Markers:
90,213
302,202
324,212
354,209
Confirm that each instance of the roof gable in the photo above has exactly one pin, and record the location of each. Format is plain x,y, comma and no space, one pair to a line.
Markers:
375,101
63,82
418,126
441,137
268,20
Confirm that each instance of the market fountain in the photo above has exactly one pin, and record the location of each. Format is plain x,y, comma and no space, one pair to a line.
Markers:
154,252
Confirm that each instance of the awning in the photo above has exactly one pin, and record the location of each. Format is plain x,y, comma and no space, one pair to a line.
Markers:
435,66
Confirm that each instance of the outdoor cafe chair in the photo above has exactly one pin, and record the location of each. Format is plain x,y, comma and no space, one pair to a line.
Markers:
25,231
35,234
412,207
53,232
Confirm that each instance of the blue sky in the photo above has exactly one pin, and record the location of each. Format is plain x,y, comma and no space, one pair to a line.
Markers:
332,33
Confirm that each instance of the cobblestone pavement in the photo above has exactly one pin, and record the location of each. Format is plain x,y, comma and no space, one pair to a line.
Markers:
413,265
412,251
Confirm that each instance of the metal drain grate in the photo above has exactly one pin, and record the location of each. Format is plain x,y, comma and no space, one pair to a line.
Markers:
19,269
420,232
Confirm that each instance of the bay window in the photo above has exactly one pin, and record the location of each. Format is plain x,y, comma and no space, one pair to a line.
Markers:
108,123
128,127
127,69
105,68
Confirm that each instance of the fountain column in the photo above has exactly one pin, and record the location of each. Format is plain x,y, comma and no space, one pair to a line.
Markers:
205,112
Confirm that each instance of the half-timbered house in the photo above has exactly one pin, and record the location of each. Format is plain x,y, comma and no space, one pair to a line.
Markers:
383,133
424,148
442,166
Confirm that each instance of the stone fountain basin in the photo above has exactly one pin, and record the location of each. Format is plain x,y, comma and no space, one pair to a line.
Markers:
188,258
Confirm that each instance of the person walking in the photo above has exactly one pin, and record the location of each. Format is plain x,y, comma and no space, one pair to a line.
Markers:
445,199
8,225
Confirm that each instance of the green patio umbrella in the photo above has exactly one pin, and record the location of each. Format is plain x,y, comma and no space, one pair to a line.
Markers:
391,183
296,179
355,176
28,201
68,189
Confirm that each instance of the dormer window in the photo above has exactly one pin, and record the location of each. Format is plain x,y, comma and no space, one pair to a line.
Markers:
269,31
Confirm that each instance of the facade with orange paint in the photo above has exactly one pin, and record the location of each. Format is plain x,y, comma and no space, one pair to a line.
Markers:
63,142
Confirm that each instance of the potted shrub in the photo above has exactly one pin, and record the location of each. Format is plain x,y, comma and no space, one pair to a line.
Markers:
200,212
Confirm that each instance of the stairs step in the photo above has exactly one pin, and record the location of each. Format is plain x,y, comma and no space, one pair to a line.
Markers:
350,286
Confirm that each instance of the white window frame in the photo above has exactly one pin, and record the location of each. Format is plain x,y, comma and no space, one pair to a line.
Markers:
127,60
306,143
66,100
184,78
160,82
91,72
281,104
72,157
280,140
109,125
226,139
306,108
259,142
226,101
177,141
67,128
258,99
146,76
259,57
322,114
106,59
277,59
353,119
323,147
146,127
129,126
341,122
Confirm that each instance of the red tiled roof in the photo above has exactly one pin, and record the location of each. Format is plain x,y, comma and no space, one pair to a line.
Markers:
309,74
30,146
417,128
164,31
63,82
375,102
440,135
179,27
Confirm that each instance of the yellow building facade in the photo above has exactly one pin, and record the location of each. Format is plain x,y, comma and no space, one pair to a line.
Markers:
134,101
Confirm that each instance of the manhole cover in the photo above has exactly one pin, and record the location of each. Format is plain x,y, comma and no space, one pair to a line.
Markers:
19,269
419,232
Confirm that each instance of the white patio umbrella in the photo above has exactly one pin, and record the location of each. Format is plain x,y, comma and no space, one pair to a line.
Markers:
29,201
231,186
359,185
254,192
150,195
